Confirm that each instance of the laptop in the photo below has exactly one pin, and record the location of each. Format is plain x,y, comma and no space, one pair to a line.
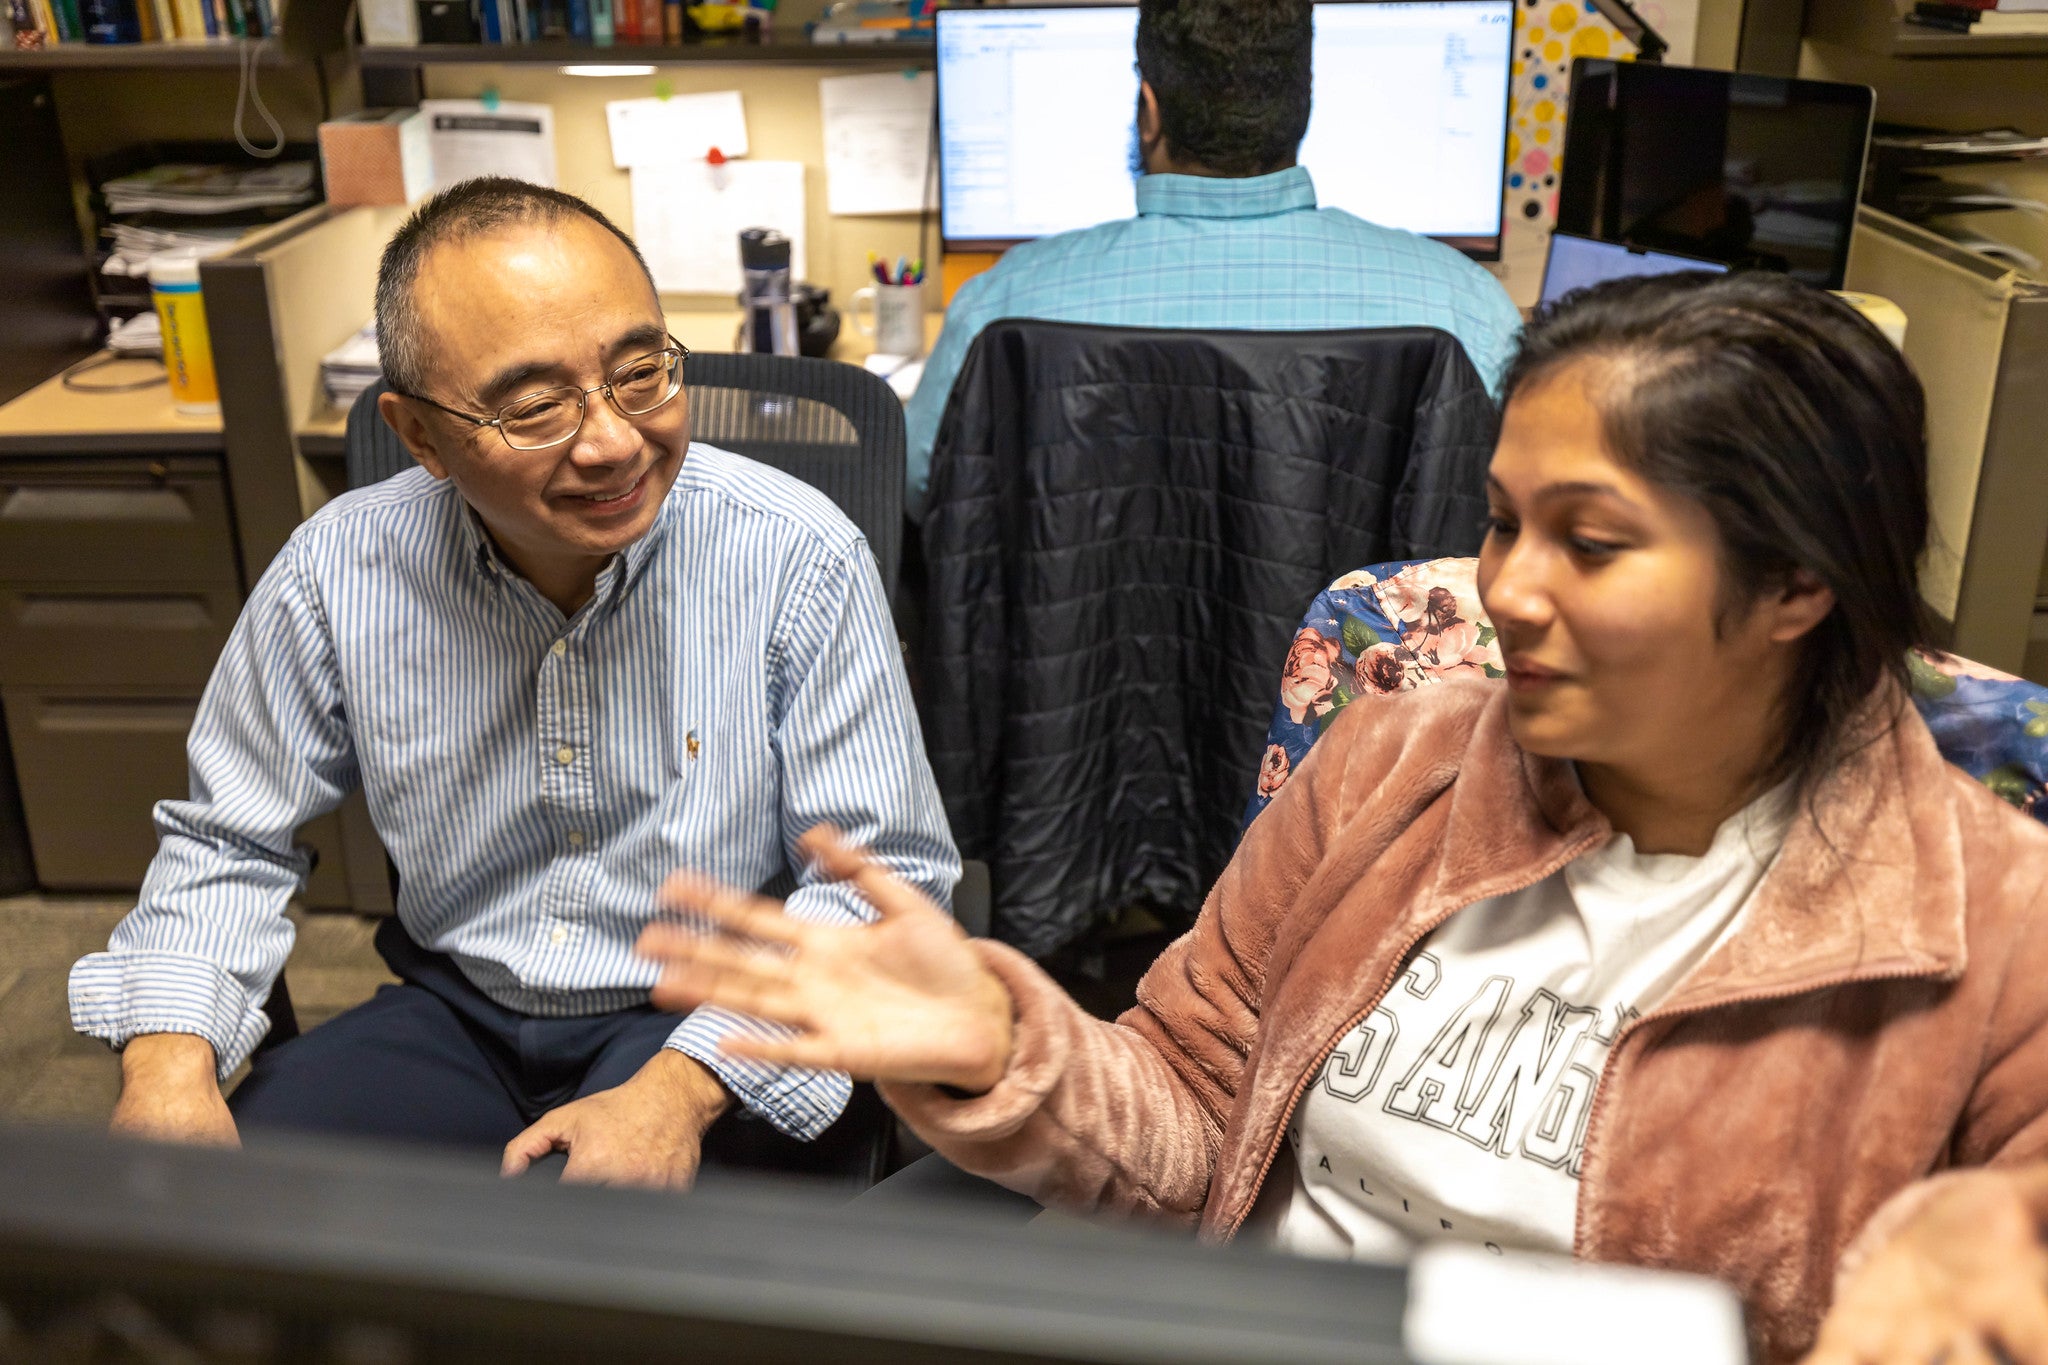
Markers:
1575,262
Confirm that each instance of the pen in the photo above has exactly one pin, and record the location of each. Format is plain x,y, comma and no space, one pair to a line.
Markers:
916,271
902,269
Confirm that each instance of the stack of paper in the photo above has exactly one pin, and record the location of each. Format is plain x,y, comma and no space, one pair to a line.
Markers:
142,334
207,190
351,367
133,246
1992,142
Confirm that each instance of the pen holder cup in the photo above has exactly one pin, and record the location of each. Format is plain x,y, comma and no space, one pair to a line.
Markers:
893,314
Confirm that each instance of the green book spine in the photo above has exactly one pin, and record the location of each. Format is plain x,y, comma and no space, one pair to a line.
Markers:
70,28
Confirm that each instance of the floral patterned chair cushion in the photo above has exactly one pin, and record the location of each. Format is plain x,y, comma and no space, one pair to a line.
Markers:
1391,627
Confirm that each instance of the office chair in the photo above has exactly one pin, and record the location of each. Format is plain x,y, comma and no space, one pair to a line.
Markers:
836,427
1122,528
1424,622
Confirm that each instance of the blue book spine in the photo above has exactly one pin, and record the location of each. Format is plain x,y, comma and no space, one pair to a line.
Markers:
102,21
579,20
488,14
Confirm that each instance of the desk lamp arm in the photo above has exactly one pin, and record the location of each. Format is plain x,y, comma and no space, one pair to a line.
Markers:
1649,44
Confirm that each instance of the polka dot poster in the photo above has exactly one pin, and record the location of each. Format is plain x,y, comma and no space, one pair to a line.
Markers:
1548,35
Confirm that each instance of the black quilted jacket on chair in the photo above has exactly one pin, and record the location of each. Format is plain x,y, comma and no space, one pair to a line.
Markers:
1124,527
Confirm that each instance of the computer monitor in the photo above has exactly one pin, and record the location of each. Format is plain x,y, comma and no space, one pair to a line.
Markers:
308,1249
1038,108
1754,171
1575,262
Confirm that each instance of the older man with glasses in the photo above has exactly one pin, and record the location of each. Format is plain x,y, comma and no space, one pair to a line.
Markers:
568,653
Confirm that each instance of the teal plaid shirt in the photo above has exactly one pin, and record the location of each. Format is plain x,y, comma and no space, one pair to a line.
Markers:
1253,253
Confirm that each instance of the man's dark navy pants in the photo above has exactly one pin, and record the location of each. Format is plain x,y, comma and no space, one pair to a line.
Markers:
435,1060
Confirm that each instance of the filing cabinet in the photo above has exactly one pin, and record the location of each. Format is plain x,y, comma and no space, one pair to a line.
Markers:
119,584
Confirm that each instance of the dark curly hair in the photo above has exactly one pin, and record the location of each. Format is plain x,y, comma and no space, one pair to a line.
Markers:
1800,429
1232,79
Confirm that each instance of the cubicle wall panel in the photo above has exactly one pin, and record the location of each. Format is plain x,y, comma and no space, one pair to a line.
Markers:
92,763
55,635
125,519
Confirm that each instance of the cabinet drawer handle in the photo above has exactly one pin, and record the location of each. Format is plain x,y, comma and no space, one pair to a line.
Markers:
75,715
114,611
58,503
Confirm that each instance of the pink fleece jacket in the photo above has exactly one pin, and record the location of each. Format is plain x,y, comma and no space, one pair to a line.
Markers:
1877,1017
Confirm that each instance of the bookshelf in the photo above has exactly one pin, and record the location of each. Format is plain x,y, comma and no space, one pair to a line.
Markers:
791,50
184,55
1877,27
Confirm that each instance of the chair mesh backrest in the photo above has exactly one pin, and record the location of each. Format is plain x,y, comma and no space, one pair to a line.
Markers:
836,427
373,450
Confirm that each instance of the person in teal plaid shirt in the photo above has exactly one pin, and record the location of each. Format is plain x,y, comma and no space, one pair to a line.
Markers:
1228,233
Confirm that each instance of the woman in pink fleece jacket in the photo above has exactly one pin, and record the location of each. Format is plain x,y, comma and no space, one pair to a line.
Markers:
1680,946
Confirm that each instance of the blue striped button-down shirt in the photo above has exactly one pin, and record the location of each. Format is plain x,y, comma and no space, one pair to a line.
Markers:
734,680
1208,252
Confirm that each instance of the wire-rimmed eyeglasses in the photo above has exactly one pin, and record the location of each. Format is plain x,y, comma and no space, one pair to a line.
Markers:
552,416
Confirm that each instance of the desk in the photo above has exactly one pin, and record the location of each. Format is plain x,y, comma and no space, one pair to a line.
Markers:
119,581
52,420
324,433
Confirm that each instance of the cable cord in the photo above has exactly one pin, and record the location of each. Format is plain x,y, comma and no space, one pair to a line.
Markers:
248,94
158,375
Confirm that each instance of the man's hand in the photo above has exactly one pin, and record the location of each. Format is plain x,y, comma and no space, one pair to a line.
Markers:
169,1094
645,1132
1963,1281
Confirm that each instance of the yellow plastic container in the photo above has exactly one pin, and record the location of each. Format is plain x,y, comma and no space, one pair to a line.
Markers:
188,351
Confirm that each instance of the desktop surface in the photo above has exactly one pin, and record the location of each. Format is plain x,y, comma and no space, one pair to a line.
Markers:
51,419
1037,118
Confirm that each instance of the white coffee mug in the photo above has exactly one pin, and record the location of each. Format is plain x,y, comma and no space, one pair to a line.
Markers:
897,317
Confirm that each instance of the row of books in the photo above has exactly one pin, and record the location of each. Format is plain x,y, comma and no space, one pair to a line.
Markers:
45,23
404,22
1963,16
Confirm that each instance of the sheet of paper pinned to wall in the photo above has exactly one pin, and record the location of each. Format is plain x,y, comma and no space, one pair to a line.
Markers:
878,148
656,131
471,138
688,215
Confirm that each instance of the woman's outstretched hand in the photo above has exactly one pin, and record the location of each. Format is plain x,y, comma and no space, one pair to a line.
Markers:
1964,1281
903,999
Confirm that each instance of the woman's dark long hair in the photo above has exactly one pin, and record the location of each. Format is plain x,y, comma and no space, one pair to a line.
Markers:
1799,428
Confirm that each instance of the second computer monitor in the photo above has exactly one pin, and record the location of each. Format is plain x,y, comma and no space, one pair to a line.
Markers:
1037,118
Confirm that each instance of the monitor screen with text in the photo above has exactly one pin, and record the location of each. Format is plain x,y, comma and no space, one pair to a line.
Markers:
1038,118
